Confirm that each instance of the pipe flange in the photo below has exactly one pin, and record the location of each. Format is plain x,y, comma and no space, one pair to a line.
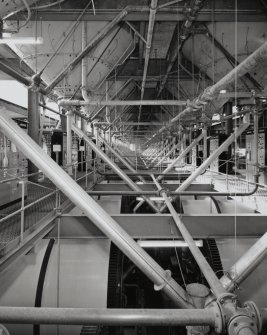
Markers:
252,308
167,277
241,322
219,325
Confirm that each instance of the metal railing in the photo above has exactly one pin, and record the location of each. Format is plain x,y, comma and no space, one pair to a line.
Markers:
35,201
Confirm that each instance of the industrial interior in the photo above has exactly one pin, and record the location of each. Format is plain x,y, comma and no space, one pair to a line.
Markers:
133,185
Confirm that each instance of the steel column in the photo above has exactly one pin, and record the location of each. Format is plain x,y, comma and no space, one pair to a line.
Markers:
92,210
69,143
205,144
33,127
151,22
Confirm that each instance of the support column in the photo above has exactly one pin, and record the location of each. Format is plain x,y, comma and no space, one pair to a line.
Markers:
228,110
205,144
69,142
33,127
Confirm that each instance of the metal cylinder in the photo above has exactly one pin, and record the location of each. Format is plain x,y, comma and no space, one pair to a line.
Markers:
110,317
69,143
245,265
33,127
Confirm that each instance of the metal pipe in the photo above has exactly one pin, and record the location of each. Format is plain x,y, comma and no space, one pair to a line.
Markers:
245,265
256,144
210,159
258,56
66,102
182,155
114,167
84,65
131,123
174,193
150,30
156,156
113,97
109,317
205,144
168,153
184,32
33,128
212,279
174,162
213,156
69,143
92,210
124,162
99,37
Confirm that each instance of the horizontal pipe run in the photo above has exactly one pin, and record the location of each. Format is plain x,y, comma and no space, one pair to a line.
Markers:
107,317
173,193
65,102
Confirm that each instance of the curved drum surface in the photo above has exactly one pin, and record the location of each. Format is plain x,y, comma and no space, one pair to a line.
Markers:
80,280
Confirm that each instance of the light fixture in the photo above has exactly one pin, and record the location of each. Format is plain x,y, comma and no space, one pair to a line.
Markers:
166,243
21,40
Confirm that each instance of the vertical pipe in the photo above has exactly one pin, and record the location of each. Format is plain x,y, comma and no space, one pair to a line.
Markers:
256,144
69,143
151,22
228,110
33,127
205,144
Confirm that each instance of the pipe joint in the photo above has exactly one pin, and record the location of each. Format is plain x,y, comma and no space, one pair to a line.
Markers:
167,278
35,82
235,320
242,324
